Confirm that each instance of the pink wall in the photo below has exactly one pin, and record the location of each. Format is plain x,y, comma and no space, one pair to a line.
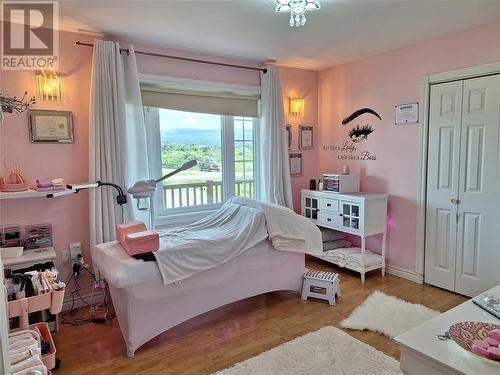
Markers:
381,82
69,215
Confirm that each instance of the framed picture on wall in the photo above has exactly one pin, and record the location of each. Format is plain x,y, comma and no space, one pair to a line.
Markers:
50,126
295,164
289,135
306,137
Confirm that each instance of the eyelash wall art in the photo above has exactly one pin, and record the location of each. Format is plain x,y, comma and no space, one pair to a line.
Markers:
360,133
358,113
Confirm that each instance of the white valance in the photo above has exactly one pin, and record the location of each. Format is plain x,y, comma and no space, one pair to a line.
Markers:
201,97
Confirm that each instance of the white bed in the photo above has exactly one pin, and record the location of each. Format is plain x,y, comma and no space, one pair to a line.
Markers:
244,249
145,307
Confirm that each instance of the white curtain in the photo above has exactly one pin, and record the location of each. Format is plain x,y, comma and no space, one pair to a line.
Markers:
118,150
275,184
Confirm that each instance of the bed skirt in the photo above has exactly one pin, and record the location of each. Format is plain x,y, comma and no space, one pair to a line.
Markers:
147,309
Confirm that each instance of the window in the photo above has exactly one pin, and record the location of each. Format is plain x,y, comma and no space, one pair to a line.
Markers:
223,146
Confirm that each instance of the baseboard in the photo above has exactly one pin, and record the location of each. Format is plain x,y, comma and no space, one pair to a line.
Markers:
405,274
97,297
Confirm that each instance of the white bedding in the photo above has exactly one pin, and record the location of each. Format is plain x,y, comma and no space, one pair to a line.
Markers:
227,233
216,239
287,230
220,237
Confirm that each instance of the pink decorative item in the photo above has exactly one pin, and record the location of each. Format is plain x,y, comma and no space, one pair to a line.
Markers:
479,351
491,341
131,227
495,334
494,353
10,188
15,181
476,338
141,242
481,343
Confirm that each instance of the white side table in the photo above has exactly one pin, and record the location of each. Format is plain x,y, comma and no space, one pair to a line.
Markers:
423,353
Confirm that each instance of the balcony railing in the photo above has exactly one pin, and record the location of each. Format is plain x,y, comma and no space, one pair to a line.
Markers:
201,193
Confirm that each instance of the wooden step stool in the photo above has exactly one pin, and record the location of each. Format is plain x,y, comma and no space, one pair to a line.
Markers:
328,281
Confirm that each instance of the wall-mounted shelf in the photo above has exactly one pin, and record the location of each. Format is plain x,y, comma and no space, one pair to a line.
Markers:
30,193
30,256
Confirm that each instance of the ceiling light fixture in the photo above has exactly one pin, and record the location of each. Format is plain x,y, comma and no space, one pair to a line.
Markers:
297,9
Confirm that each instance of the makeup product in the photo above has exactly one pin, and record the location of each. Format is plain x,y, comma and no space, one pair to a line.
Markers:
312,184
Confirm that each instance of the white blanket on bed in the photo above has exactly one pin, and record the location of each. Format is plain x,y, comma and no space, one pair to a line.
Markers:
287,230
238,226
216,239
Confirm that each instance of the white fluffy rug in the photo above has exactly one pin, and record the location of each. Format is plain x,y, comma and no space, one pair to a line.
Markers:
327,351
387,314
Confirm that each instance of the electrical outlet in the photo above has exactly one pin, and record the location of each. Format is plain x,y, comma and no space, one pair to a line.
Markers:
75,250
65,256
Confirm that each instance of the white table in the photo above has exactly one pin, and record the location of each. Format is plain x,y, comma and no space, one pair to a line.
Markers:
423,353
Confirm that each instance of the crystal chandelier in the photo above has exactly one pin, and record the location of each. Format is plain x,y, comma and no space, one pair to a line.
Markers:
297,9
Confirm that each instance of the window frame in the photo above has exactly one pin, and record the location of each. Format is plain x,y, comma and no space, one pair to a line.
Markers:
180,215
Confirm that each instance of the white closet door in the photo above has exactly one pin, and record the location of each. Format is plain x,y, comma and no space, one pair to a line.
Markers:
442,183
478,246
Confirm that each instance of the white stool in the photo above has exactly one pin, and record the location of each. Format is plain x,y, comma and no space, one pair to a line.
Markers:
329,281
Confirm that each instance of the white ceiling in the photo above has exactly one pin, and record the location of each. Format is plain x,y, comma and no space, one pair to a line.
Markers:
340,31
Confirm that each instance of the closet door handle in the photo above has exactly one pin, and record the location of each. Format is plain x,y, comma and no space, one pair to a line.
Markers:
455,201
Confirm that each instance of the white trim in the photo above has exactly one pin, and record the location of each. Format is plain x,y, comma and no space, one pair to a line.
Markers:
405,274
465,73
186,84
97,297
422,177
452,75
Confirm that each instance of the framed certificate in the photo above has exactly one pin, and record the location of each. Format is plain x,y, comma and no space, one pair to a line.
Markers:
51,126
289,135
306,137
295,164
406,113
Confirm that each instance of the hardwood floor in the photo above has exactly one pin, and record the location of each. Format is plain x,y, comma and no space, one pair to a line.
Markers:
233,333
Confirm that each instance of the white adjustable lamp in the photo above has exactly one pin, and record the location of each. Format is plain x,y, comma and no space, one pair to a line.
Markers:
145,190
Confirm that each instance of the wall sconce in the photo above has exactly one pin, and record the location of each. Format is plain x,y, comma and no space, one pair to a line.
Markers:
296,106
49,87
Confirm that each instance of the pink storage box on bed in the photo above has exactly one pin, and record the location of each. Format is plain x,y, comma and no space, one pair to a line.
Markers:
141,242
136,239
131,227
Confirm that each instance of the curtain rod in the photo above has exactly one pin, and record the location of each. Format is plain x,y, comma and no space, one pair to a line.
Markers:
263,70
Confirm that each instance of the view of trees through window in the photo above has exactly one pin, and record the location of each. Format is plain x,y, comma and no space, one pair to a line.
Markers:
186,136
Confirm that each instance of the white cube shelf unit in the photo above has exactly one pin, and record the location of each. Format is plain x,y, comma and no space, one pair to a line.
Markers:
360,214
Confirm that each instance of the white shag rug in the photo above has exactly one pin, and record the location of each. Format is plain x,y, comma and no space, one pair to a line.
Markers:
388,315
326,351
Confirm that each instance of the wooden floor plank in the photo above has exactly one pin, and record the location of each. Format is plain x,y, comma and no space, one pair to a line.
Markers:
233,333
